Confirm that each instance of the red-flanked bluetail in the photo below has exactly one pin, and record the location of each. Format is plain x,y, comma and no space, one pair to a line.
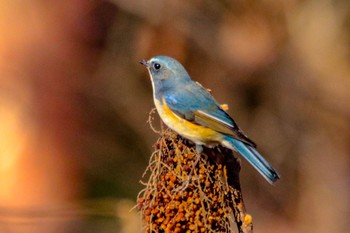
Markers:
190,110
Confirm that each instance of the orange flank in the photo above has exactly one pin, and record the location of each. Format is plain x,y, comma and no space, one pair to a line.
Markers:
194,132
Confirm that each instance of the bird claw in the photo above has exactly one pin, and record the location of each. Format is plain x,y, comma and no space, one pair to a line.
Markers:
199,149
185,185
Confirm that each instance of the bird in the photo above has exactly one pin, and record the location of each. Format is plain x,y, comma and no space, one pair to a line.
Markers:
189,109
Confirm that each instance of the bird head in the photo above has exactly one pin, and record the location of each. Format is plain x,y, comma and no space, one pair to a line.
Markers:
165,72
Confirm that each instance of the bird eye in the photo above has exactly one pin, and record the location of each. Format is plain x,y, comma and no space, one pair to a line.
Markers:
156,66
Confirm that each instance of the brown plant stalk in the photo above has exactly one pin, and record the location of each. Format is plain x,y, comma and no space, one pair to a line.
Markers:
188,192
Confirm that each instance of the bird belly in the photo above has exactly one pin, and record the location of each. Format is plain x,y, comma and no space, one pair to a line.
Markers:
196,133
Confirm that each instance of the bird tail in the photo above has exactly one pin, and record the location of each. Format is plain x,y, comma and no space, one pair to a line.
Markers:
253,157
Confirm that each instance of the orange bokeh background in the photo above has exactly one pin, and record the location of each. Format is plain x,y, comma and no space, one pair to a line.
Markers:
74,102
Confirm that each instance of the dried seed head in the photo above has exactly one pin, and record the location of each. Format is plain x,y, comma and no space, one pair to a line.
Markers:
171,202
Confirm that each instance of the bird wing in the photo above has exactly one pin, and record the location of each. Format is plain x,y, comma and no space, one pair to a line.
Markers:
195,104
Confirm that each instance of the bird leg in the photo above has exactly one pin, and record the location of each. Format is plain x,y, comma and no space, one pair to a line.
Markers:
199,150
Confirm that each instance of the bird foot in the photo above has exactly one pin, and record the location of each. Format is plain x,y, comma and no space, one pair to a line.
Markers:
189,179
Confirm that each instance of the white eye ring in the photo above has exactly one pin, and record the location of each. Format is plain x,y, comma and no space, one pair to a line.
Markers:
156,66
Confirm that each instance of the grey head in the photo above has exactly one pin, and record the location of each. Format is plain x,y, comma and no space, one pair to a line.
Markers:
166,72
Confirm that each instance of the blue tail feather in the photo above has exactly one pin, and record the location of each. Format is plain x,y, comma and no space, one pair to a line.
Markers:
253,157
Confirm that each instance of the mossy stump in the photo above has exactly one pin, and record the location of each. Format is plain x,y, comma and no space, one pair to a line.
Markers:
184,196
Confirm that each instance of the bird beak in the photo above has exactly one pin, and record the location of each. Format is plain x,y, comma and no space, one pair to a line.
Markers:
145,63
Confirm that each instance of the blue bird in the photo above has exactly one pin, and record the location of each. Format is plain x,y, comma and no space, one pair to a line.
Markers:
191,111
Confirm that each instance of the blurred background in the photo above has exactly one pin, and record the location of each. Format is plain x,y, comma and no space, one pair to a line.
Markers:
74,104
